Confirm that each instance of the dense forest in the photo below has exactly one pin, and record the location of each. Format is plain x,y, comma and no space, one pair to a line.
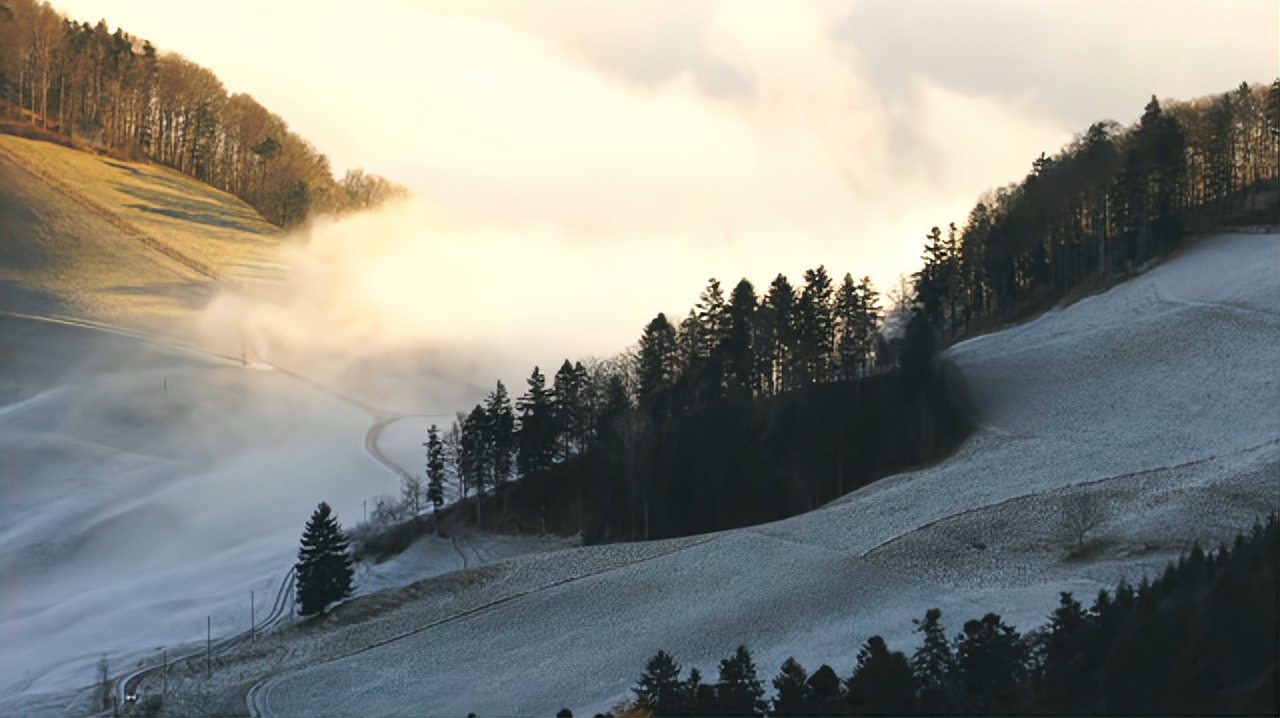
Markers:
1201,639
1108,202
754,407
114,92
749,411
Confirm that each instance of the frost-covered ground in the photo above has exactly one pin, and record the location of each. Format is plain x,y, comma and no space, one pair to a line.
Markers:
1160,396
131,511
146,486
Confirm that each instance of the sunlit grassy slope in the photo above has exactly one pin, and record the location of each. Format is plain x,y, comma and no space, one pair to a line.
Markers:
97,238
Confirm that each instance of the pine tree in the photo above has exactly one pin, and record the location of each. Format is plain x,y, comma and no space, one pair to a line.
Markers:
656,365
499,434
815,327
881,683
826,693
867,324
849,317
475,455
324,571
659,689
536,440
435,467
990,661
739,692
777,346
738,347
933,663
568,409
792,688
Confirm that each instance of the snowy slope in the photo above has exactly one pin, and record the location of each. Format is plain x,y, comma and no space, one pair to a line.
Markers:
1160,396
131,513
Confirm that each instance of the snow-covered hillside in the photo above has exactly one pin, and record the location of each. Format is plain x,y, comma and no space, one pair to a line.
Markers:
147,487
1160,396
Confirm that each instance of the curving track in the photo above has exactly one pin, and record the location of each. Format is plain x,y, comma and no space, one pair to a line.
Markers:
281,611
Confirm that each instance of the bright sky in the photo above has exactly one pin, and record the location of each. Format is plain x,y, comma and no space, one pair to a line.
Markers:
655,144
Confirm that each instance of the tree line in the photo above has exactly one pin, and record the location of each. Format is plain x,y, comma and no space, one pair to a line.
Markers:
119,93
796,397
1198,639
708,390
1111,200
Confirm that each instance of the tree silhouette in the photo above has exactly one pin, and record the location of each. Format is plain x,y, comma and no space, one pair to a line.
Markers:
659,689
739,691
323,572
435,467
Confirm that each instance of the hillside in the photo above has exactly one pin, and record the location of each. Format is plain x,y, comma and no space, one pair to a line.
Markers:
1156,397
91,237
149,483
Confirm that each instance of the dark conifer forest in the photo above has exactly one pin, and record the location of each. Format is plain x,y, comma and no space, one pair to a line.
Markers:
1200,639
763,403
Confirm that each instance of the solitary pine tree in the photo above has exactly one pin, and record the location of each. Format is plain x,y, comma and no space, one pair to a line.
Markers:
323,572
435,467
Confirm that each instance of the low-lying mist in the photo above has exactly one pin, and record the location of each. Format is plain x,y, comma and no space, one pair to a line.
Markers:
147,487
410,309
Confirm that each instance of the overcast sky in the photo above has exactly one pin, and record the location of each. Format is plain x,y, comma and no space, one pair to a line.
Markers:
699,138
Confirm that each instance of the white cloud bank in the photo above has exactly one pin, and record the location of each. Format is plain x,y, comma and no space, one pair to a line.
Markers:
581,166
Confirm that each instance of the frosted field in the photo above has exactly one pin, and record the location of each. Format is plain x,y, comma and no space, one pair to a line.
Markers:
129,515
1160,395
147,485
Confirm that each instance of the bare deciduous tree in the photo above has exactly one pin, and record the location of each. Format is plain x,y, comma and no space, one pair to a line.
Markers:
1081,513
412,488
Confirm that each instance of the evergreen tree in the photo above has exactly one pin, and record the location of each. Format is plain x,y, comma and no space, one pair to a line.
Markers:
324,570
569,407
826,693
1067,679
792,687
849,317
476,459
815,327
867,324
933,664
537,432
990,662
882,682
656,365
454,457
659,689
700,698
739,343
933,280
739,692
777,346
435,467
499,434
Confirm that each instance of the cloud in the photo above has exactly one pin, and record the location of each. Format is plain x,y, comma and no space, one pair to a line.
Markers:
582,166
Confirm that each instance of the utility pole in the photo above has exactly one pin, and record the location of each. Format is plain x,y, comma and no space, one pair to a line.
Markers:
164,672
208,646
166,386
364,510
252,619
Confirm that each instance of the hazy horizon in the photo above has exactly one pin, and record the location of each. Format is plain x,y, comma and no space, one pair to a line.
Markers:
635,151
